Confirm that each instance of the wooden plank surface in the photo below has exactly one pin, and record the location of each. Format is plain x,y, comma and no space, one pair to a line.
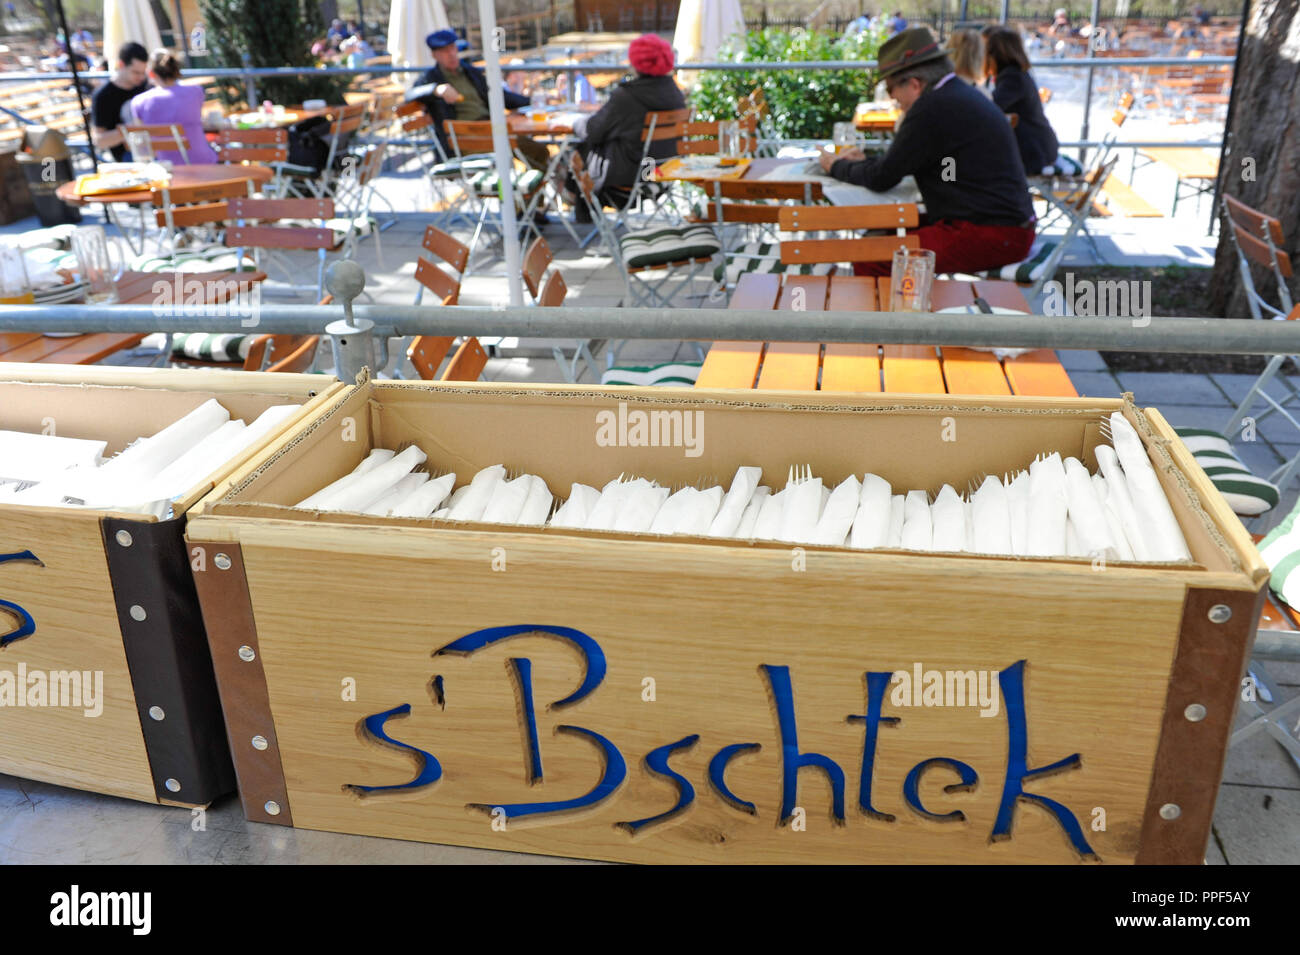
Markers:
848,367
735,364
794,366
1038,372
913,369
967,371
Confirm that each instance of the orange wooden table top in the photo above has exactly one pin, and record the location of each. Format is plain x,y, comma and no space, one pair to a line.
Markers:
133,288
915,369
215,173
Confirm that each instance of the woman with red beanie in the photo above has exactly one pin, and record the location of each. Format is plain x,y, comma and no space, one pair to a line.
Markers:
611,139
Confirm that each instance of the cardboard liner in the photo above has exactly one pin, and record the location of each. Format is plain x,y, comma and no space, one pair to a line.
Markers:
237,660
1208,664
167,654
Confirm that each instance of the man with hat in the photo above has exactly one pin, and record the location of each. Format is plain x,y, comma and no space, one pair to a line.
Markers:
960,148
456,89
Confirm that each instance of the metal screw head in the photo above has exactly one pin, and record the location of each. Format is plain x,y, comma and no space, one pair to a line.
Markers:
272,807
1170,811
123,538
173,785
137,612
246,654
1220,613
259,742
1195,712
156,712
222,561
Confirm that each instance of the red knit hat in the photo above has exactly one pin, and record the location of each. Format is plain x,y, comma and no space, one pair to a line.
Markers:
650,55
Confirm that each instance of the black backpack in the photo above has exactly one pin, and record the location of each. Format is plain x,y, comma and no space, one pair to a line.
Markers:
308,145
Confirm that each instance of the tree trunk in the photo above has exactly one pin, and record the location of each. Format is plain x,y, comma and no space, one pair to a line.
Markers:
1262,164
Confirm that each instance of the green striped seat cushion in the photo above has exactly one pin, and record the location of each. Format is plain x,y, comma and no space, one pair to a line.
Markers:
486,183
670,373
1245,493
207,258
663,245
763,257
454,167
1028,271
200,346
1280,549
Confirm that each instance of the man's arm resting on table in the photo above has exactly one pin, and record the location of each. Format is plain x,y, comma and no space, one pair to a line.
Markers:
106,138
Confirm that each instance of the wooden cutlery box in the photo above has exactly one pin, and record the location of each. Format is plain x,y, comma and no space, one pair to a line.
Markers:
105,679
658,699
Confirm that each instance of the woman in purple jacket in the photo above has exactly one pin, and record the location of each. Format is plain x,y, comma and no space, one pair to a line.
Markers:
170,103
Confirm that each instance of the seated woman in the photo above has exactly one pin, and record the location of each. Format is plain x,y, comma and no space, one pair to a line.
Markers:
611,138
1015,91
170,103
966,50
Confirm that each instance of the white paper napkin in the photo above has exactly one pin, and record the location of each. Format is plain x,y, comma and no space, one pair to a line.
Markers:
507,501
837,517
871,522
424,500
537,506
948,521
1163,535
737,499
749,520
1047,507
768,525
401,490
897,516
991,518
1018,507
1087,515
480,490
574,511
801,510
918,531
376,457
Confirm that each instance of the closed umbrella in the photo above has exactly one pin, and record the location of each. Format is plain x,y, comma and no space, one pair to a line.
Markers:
409,22
703,25
128,21
487,18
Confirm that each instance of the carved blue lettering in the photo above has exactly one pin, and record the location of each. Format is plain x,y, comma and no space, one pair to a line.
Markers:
430,770
26,624
877,685
522,669
593,656
912,783
718,775
657,762
613,776
1013,695
792,760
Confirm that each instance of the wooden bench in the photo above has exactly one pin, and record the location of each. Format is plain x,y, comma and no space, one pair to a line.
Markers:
1125,198
915,369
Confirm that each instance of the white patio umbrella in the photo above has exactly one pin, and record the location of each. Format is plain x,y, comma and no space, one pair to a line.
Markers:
702,25
487,18
409,22
126,21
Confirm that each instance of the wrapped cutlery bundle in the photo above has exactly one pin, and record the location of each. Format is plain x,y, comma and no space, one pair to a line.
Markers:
106,679
630,624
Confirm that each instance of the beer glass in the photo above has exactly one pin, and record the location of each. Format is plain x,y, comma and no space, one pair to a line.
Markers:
95,259
910,280
844,136
140,145
15,289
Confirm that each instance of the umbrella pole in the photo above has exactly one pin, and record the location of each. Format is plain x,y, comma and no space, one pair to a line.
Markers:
501,147
76,84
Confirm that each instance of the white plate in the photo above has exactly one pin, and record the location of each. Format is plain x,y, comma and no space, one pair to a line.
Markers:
975,310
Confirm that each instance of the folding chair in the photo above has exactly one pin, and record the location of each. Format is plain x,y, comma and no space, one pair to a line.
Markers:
305,182
432,274
755,105
442,173
269,146
268,236
474,140
759,216
548,292
701,137
663,126
821,251
179,208
1046,256
163,137
355,190
1258,240
638,254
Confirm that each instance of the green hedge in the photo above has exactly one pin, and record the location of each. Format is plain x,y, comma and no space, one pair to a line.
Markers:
804,104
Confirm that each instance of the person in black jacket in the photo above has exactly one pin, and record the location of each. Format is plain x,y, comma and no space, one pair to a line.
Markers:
456,89
1015,91
611,142
961,151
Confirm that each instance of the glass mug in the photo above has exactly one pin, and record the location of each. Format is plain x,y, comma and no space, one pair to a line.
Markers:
844,137
96,263
538,106
729,139
140,145
910,280
15,289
